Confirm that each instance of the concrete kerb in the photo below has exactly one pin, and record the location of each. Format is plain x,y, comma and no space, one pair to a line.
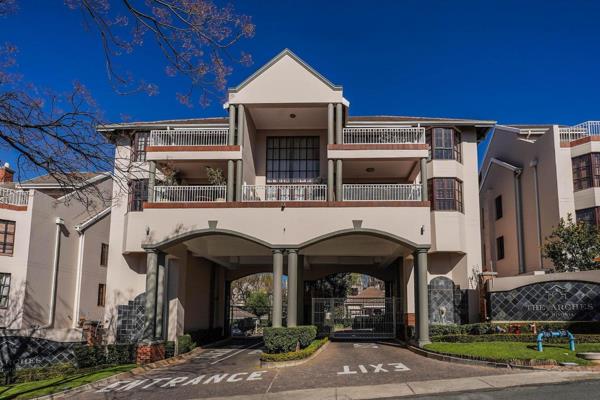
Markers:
283,364
137,371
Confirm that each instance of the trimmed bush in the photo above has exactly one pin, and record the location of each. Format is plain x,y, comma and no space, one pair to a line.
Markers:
185,344
295,355
490,328
113,354
284,340
523,338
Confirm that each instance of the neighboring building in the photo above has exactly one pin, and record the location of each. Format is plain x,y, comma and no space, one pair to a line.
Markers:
309,190
41,287
531,177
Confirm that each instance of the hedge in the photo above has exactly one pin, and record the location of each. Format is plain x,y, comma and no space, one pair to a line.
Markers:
511,338
295,355
185,344
284,340
113,354
490,328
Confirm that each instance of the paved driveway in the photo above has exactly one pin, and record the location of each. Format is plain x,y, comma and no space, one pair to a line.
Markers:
234,369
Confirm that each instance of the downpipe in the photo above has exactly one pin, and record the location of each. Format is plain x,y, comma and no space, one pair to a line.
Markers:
59,225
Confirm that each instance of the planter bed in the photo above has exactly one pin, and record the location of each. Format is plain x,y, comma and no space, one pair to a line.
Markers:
269,360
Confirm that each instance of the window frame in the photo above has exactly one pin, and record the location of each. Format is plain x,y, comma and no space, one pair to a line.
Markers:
498,207
4,234
103,254
452,203
293,159
593,212
500,248
5,297
135,204
101,301
442,147
138,146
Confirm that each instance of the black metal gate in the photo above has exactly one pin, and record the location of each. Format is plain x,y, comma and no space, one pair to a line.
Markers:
368,318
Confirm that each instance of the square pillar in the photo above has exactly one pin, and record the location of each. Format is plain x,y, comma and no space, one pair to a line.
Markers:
277,289
338,181
292,301
161,295
424,194
231,136
151,281
421,297
230,179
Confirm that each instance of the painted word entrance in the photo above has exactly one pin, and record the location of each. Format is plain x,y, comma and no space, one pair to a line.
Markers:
355,317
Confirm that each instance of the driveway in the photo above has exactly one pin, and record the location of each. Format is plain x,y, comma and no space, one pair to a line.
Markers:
234,369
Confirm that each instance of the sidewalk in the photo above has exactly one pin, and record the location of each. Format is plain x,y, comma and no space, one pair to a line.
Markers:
424,387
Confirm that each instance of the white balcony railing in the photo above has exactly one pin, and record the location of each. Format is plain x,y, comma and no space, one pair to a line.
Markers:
188,194
189,137
383,135
14,197
382,192
284,193
585,129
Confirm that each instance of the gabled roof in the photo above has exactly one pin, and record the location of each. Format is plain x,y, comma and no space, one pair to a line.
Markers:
49,182
92,220
274,60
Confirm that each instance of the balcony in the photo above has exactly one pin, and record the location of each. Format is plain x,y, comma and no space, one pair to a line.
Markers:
14,199
579,131
188,194
189,137
382,192
384,135
284,193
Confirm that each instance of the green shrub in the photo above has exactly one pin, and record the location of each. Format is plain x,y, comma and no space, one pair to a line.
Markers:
90,356
295,355
169,349
283,340
506,337
490,328
185,344
119,354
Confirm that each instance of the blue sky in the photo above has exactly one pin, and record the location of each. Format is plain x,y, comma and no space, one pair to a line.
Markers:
510,61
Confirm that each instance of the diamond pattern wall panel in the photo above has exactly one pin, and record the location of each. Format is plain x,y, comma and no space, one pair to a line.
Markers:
30,352
442,301
131,319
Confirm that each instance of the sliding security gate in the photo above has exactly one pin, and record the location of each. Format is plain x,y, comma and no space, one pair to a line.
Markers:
360,318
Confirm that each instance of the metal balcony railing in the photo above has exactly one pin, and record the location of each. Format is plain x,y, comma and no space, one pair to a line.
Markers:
284,193
14,197
585,129
189,137
188,194
383,135
382,192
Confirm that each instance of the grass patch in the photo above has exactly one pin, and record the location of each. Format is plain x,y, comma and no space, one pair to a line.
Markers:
58,384
511,351
295,355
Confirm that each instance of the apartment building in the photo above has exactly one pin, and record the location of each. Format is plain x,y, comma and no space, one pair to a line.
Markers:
53,255
531,177
289,182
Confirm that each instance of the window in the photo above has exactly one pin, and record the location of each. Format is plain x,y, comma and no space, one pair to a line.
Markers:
140,141
500,248
101,294
446,194
499,211
444,144
104,255
138,194
7,237
293,159
4,289
586,171
587,215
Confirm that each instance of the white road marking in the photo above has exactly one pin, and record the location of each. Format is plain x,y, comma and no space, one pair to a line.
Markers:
258,351
365,346
236,353
373,368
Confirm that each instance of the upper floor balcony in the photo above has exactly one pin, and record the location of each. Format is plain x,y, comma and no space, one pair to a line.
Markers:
206,143
580,131
14,199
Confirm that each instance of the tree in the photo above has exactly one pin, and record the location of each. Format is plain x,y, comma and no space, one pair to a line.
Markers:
335,285
258,303
55,133
573,246
243,287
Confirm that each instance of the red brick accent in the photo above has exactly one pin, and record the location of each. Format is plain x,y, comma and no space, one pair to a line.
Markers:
409,319
150,352
6,174
13,207
192,148
391,146
587,139
294,204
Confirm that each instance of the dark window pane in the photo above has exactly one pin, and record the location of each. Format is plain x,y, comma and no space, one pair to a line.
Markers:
292,159
498,203
7,237
446,194
140,141
138,194
500,248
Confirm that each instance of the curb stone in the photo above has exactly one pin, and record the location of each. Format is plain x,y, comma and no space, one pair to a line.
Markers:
135,371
